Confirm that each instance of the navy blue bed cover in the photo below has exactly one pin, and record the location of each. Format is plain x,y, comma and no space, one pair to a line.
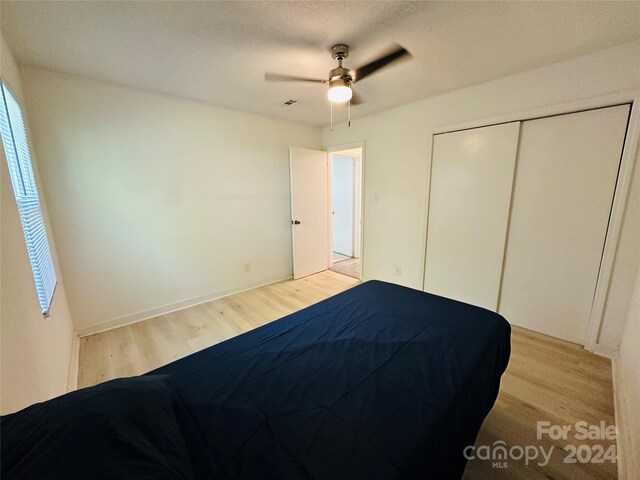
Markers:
378,382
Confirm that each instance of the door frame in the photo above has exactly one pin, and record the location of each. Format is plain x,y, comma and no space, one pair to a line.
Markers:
621,193
330,151
356,182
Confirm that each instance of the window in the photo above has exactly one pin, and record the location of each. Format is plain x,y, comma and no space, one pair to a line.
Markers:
16,148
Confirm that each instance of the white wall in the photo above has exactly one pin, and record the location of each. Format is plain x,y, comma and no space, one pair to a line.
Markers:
36,351
624,269
157,200
398,149
628,385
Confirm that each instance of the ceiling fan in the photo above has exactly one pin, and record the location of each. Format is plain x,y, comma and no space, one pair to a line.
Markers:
341,79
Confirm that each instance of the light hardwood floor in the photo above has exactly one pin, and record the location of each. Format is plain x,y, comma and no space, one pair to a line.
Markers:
547,379
347,266
141,347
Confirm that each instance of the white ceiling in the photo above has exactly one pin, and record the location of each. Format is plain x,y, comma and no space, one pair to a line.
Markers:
218,52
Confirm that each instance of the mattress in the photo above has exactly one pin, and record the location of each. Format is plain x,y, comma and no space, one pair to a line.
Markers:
378,382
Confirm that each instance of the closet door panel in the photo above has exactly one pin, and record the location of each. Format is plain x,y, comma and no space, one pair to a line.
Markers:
471,180
563,189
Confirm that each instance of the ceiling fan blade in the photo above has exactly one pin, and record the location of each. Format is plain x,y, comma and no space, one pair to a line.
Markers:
277,77
356,99
396,54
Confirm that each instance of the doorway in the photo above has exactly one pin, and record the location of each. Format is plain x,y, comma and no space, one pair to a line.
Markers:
346,212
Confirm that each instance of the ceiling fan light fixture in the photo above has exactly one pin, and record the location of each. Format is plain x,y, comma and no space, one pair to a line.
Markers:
339,91
341,78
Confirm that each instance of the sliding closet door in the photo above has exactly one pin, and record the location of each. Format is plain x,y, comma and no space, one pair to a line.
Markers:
564,184
471,180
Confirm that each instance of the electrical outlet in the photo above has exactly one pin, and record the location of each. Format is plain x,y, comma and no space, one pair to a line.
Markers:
398,270
247,267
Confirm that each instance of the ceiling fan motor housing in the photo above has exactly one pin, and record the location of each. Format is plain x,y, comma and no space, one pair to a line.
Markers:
340,51
340,76
340,73
340,82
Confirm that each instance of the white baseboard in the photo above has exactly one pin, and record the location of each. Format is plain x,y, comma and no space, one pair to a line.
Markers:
626,457
74,362
603,351
163,310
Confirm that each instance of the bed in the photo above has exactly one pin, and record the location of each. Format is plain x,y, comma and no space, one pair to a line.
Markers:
378,382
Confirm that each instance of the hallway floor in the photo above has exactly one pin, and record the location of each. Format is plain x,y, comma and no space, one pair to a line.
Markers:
349,266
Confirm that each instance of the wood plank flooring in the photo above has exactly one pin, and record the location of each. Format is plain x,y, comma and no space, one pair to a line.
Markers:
143,346
349,267
547,379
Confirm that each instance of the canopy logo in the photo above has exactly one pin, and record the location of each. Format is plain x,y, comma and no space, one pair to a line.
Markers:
499,453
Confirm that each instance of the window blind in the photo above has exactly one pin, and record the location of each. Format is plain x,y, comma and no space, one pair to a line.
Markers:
16,147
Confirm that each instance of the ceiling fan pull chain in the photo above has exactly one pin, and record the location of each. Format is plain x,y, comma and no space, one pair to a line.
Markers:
331,106
349,114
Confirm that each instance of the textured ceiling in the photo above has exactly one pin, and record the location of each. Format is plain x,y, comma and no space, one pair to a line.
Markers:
218,52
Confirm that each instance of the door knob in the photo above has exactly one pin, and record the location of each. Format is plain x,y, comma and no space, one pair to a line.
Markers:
295,222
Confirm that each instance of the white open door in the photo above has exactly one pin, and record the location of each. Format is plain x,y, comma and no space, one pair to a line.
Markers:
309,210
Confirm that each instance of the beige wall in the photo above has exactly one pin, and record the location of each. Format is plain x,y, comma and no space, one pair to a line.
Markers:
624,268
35,351
628,385
398,149
158,201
